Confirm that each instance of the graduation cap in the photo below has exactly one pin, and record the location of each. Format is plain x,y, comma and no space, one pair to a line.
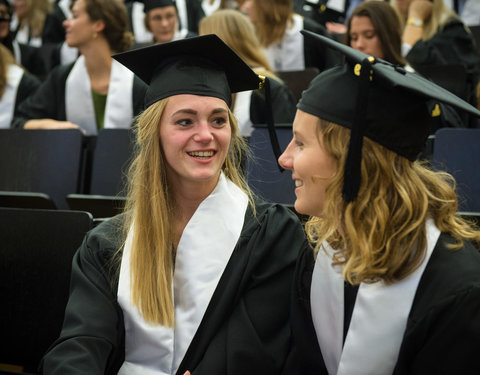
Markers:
375,99
152,4
202,65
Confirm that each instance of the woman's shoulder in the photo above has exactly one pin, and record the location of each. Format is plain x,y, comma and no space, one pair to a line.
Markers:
106,236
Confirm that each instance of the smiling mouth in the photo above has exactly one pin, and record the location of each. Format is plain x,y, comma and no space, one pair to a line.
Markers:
201,154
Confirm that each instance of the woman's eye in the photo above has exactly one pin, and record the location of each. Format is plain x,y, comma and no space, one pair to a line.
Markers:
184,122
219,121
298,144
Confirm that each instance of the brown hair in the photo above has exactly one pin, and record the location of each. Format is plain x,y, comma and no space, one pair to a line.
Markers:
114,14
238,33
150,206
272,19
387,26
381,235
37,13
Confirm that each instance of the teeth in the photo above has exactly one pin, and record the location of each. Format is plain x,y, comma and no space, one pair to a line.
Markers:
201,154
298,183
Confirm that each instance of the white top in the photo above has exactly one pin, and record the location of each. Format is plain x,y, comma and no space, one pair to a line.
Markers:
79,103
9,97
378,320
288,53
203,252
142,35
241,111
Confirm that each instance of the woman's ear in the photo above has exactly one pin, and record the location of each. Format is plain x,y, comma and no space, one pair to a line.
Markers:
99,26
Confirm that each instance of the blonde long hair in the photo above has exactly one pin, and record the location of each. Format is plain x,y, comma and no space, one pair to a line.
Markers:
272,19
381,235
441,14
151,206
238,33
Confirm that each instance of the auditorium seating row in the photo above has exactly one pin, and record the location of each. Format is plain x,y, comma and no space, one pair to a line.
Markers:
63,169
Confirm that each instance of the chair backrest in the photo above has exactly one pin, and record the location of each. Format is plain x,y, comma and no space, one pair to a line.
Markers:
43,161
475,29
263,174
298,80
457,151
111,159
35,266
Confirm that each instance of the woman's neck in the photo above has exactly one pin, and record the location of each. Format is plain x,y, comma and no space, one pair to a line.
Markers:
98,62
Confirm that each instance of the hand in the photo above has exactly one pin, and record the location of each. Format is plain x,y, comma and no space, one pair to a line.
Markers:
336,28
420,9
50,124
187,373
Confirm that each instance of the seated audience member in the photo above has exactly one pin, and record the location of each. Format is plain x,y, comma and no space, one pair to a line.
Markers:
434,35
278,29
15,86
28,20
249,106
161,20
195,276
96,91
374,28
393,283
25,55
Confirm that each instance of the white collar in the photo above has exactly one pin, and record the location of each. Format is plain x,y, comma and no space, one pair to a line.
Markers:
376,330
9,97
79,103
203,252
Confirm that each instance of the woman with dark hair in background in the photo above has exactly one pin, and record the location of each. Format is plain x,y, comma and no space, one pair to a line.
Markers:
95,91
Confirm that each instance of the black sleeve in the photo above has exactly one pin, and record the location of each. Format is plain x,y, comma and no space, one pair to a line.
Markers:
246,327
450,45
92,338
53,31
29,84
47,102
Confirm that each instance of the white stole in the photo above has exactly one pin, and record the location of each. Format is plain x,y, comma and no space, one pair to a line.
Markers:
288,53
79,103
210,8
64,6
182,13
142,35
378,320
241,111
203,252
9,97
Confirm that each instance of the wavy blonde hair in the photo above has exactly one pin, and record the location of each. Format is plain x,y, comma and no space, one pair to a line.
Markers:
441,14
381,235
238,33
151,205
272,19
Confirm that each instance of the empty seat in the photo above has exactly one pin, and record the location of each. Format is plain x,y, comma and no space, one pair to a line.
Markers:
41,161
298,80
263,174
457,151
35,265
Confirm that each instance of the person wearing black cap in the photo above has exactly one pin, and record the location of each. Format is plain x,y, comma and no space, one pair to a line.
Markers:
395,283
161,20
199,278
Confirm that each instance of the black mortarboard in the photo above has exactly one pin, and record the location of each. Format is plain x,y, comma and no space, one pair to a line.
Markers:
375,99
202,65
152,4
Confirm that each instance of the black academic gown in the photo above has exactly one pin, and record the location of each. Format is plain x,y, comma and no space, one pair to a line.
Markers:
443,328
49,100
53,30
28,85
245,329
